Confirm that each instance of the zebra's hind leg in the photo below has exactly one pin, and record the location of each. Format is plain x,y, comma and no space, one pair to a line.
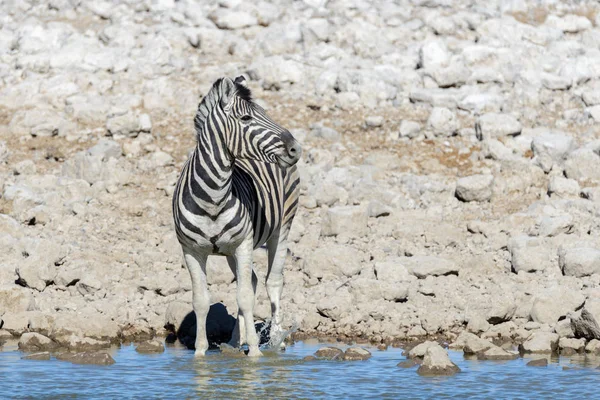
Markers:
246,289
277,250
196,264
238,336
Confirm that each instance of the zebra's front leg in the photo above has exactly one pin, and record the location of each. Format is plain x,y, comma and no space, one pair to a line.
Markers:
196,264
246,289
277,251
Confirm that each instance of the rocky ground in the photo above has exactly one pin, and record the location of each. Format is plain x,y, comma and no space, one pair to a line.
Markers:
449,177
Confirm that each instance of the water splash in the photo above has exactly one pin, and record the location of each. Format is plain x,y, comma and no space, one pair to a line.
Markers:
275,340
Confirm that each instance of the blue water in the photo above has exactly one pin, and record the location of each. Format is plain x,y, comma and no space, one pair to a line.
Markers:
177,374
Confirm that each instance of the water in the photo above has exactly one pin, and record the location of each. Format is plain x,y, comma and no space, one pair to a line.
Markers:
177,374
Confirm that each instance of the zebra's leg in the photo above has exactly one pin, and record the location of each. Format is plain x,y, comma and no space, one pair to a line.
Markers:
238,336
277,250
246,289
196,264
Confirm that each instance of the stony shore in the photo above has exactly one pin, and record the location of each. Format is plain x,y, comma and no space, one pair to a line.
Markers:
449,177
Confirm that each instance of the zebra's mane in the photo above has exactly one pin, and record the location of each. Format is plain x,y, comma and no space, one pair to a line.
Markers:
212,97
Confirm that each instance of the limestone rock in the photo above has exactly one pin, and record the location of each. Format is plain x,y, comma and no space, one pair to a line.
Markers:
475,188
436,362
551,304
579,261
571,346
356,353
494,125
349,220
150,346
99,358
528,254
329,353
424,266
540,342
32,341
497,353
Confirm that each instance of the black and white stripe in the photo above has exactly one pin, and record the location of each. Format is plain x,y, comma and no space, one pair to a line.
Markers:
237,191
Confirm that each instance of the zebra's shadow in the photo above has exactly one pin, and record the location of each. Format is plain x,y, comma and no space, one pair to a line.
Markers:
219,328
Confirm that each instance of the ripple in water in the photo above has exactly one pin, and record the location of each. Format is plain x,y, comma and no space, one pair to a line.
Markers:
177,373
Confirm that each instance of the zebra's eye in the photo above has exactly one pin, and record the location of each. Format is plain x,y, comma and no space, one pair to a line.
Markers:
246,118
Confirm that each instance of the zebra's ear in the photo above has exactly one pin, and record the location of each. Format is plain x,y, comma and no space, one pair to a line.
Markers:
241,80
227,91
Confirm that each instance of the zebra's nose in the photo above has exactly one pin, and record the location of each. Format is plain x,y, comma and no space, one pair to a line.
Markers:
294,150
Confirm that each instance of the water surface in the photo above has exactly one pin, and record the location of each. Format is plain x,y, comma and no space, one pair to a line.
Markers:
177,374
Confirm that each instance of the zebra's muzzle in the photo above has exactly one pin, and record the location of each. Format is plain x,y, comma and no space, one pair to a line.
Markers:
291,152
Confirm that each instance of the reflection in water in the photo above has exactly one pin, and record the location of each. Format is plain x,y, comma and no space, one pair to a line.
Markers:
229,375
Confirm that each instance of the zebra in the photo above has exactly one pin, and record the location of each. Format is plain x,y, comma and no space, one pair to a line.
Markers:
237,191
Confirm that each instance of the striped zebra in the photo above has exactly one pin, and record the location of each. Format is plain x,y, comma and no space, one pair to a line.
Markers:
237,191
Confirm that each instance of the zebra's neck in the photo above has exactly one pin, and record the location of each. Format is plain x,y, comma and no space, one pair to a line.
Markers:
211,168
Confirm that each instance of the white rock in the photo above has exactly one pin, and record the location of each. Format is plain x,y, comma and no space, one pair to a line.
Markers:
124,125
579,261
567,345
437,362
551,149
334,260
475,188
529,254
374,121
442,121
563,187
570,23
25,167
591,98
348,220
424,266
145,123
409,129
106,149
554,82
493,125
540,342
456,74
434,54
554,303
583,165
421,349
227,19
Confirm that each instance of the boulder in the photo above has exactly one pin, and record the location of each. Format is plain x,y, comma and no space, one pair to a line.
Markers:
334,260
329,353
150,346
32,341
497,354
565,188
408,363
94,358
529,254
540,362
356,353
420,349
348,220
551,304
551,148
442,122
436,362
571,346
593,347
42,356
228,19
540,342
424,266
586,324
494,125
579,261
475,188
583,165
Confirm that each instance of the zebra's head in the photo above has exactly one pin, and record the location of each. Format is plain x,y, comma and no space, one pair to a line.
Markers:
250,132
